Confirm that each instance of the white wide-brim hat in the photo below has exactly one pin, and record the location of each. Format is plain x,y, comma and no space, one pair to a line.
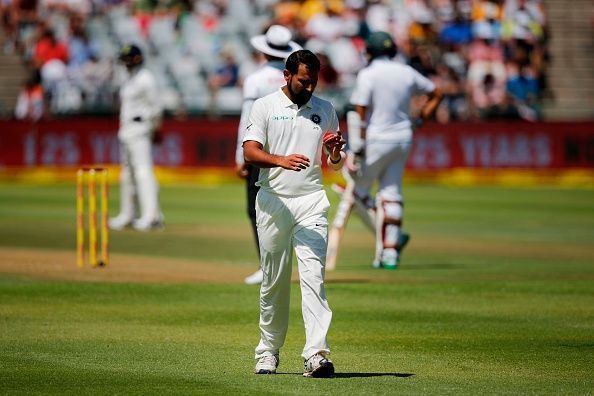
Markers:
276,42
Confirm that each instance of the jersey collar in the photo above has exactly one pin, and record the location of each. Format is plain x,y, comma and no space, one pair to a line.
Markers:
382,58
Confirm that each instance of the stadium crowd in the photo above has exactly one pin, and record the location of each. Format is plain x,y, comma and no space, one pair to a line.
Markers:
488,56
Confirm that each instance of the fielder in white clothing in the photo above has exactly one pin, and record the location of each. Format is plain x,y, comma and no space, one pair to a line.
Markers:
284,137
140,122
381,97
276,45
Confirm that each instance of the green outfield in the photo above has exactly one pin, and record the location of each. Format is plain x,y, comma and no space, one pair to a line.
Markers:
495,296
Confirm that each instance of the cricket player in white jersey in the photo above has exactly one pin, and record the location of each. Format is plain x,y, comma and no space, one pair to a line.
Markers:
284,137
276,45
381,97
140,123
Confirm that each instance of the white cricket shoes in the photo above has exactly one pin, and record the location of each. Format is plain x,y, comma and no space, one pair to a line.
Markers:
147,224
119,222
318,366
267,364
255,279
390,259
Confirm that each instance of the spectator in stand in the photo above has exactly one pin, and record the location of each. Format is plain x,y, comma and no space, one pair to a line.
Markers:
458,31
285,12
355,24
524,20
25,19
522,86
486,75
327,25
79,47
226,74
523,34
453,105
421,30
8,26
488,15
454,56
30,104
422,59
444,11
489,99
96,76
67,7
48,48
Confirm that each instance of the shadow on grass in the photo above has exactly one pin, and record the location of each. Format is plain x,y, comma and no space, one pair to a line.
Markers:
365,375
361,375
434,266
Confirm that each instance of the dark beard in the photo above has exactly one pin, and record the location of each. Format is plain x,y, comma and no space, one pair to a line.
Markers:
298,99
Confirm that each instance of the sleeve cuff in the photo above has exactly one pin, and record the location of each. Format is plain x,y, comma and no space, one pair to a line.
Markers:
338,165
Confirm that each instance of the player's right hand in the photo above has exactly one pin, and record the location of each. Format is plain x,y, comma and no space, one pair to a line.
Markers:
294,162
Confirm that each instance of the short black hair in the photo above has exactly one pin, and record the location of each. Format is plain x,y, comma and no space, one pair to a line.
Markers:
306,57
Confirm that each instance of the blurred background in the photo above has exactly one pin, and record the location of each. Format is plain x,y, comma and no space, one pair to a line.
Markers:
519,71
527,59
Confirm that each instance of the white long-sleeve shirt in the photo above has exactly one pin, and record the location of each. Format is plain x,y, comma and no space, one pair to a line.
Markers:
267,79
141,110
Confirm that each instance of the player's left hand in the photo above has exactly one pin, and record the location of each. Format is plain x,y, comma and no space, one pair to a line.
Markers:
333,143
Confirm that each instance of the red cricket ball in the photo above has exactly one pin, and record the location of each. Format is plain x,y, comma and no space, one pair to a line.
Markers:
329,136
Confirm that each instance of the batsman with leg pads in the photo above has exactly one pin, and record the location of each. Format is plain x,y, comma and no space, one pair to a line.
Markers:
364,208
380,136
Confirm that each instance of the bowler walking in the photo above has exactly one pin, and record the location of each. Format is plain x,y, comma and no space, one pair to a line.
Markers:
286,133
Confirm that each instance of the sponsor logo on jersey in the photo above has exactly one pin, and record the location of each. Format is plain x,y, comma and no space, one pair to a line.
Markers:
281,118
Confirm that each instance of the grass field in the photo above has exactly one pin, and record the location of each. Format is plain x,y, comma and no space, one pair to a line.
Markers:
495,296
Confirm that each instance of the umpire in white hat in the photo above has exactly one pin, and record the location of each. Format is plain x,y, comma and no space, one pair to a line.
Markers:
276,45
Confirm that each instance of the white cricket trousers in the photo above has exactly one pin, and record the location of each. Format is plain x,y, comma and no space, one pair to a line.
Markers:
385,162
138,178
284,224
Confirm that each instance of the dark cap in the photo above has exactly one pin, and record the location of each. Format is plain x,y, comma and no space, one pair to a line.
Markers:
381,43
129,51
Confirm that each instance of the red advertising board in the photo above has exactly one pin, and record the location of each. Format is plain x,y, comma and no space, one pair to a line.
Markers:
197,143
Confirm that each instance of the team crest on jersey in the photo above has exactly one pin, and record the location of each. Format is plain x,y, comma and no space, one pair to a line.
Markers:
315,118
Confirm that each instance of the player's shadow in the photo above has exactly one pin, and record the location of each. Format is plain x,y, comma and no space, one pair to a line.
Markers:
366,375
362,375
436,266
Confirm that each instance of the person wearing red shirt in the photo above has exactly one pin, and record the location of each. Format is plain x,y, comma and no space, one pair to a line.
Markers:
48,48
